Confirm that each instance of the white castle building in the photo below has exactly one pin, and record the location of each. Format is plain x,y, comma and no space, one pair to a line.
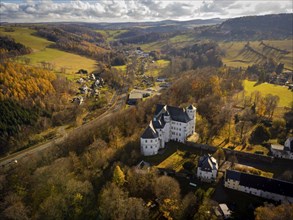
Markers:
169,123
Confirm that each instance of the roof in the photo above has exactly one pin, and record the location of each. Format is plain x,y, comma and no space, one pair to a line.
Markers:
158,123
149,132
262,183
207,163
230,174
177,114
277,147
224,208
135,95
191,107
142,165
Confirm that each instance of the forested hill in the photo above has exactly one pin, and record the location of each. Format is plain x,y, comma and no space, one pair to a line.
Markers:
277,26
9,48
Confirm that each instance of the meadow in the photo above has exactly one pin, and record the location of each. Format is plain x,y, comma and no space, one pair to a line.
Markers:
234,54
286,96
42,52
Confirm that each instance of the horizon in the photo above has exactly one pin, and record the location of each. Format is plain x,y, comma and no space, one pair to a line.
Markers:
124,11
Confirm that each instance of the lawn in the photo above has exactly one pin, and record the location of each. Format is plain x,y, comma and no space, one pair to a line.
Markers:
286,96
41,52
234,58
155,68
177,159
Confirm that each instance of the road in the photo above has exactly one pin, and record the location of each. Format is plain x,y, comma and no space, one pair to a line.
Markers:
117,102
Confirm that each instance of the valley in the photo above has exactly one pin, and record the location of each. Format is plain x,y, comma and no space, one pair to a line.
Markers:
146,120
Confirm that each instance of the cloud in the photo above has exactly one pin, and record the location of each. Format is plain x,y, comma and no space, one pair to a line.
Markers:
133,10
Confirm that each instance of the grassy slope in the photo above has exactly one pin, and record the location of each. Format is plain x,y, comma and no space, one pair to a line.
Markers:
286,96
71,62
233,57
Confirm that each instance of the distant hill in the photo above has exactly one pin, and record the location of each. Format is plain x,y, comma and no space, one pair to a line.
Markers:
250,28
170,23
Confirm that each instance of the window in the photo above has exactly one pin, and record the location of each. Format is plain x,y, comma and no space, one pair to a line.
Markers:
146,147
151,141
146,141
151,146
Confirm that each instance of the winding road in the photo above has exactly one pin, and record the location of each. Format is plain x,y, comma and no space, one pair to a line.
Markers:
117,103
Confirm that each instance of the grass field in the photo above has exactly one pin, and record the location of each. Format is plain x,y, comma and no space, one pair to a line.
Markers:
286,96
41,52
156,67
235,57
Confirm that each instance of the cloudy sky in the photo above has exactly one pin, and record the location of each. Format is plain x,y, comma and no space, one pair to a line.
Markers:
135,10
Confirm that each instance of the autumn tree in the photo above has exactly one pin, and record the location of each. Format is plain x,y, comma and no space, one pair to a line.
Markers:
118,176
271,212
114,203
271,102
259,135
167,190
219,154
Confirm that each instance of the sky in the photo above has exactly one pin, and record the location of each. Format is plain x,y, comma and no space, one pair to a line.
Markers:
135,10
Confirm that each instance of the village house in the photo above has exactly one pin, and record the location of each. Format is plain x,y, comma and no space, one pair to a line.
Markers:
283,151
169,123
207,169
78,100
268,188
84,89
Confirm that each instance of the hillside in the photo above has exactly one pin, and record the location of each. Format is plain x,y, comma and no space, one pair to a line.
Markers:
242,53
250,28
43,53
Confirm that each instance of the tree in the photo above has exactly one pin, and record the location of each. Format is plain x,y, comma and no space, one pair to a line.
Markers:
15,209
167,191
118,176
219,154
280,68
167,188
115,204
259,135
271,212
271,102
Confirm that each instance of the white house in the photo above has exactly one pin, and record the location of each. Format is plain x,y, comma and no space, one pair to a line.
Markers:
283,151
207,169
268,188
169,123
226,212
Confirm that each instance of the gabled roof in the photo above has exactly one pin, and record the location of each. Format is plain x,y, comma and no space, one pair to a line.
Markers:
191,107
207,163
158,123
262,183
149,132
176,114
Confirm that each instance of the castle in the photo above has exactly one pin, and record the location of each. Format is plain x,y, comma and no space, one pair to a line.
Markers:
169,123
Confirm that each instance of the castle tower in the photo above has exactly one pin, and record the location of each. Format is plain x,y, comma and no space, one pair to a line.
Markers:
167,127
191,112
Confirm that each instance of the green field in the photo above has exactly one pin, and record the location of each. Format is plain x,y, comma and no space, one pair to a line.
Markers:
155,68
41,52
234,55
286,96
176,161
